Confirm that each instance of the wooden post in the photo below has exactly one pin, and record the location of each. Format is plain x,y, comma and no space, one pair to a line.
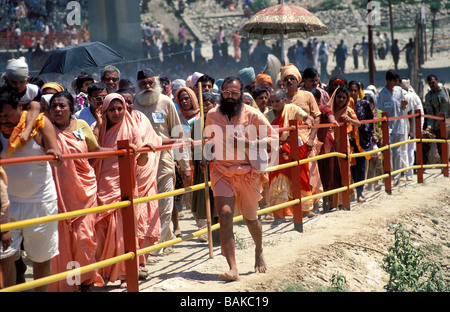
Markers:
295,173
419,146
444,148
386,154
371,54
126,172
205,172
344,164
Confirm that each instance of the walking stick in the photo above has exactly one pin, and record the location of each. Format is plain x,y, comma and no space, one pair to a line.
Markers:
205,173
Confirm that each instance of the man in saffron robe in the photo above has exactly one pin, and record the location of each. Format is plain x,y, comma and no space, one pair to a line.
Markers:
235,178
291,77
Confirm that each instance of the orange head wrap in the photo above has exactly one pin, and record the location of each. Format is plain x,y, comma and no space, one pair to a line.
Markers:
261,78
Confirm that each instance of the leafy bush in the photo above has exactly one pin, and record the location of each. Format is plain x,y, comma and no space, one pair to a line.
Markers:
408,269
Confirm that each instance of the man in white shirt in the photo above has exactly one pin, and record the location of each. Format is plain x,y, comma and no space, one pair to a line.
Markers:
31,192
391,100
414,103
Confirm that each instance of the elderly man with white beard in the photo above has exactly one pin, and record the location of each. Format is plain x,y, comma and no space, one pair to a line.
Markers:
162,113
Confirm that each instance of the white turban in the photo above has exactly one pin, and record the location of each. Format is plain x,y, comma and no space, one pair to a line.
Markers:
17,69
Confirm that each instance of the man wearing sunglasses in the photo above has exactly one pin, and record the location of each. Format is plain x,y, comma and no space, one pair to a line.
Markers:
111,78
96,94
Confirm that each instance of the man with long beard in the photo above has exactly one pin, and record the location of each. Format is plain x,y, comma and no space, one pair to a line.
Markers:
235,131
162,113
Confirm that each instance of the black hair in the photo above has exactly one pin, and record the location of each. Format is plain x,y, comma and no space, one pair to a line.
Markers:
82,78
68,96
309,73
258,91
206,78
356,83
9,96
391,74
369,98
341,90
317,94
96,87
125,91
231,79
429,77
208,96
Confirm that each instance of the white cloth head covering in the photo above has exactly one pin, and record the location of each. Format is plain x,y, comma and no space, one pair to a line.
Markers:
17,69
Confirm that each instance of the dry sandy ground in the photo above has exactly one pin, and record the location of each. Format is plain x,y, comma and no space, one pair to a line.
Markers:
351,244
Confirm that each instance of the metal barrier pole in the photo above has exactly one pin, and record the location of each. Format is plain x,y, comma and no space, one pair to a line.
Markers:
295,173
386,153
419,146
126,171
444,149
344,164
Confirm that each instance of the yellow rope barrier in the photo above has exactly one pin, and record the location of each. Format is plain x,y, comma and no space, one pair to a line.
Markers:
128,256
434,140
283,166
61,276
58,217
327,193
435,166
404,142
213,228
393,173
329,155
381,149
354,185
171,193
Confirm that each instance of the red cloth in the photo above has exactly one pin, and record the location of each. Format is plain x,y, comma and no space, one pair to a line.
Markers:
304,169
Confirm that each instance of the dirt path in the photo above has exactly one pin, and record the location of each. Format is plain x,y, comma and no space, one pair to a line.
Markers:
348,243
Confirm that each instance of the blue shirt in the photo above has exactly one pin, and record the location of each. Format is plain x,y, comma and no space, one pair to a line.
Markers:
86,115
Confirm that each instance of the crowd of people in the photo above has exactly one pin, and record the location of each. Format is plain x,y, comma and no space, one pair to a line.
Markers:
52,119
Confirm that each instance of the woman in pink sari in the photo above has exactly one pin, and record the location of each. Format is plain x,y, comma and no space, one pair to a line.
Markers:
76,187
148,223
116,124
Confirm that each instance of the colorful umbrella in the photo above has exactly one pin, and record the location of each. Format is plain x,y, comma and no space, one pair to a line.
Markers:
283,20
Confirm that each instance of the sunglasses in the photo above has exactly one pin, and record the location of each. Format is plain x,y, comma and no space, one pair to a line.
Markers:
99,98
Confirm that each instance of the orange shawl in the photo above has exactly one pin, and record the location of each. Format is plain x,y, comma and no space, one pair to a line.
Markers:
76,187
15,141
109,227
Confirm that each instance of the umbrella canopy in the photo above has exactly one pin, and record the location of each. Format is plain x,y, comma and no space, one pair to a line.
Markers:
283,19
90,54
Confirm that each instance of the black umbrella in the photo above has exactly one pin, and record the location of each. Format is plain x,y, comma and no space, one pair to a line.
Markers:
90,54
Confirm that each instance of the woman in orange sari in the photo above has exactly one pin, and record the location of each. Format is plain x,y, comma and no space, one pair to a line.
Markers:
116,124
148,223
340,105
280,189
76,187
